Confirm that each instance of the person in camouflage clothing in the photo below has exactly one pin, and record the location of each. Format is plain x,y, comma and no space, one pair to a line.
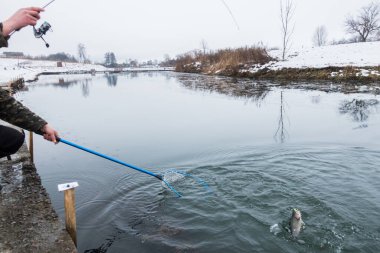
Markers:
11,110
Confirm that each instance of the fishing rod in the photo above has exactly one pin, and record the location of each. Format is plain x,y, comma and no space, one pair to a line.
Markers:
161,178
45,27
231,14
46,5
42,30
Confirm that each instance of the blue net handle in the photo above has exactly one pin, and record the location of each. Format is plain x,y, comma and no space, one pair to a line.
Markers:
120,162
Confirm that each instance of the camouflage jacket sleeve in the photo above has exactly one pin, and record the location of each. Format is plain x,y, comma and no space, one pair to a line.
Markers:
3,39
17,114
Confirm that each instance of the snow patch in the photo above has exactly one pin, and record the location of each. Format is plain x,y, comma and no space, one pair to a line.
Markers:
11,69
364,54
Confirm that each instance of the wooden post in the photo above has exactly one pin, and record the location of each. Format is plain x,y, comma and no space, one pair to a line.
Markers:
71,221
31,150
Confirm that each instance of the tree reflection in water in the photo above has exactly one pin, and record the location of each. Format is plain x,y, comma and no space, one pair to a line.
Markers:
85,87
358,109
85,84
281,132
240,88
62,83
111,80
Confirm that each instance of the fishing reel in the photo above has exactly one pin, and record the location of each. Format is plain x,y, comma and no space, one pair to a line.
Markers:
40,32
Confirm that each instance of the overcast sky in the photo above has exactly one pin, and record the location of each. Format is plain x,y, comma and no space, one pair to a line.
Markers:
149,29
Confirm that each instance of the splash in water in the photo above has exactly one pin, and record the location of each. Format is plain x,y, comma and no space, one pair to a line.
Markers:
174,179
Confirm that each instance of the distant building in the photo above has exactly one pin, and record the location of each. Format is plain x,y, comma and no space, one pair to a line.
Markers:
13,54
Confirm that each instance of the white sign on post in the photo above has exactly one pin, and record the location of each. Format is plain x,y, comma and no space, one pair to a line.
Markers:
67,186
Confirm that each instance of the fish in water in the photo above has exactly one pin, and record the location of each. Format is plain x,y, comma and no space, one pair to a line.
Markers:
296,223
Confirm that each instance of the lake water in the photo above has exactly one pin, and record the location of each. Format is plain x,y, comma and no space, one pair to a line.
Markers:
262,148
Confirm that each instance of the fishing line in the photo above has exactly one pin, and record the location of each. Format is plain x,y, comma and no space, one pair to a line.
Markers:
231,14
160,177
48,4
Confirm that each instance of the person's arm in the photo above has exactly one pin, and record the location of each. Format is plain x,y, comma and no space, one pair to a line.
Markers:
22,18
3,39
17,114
11,110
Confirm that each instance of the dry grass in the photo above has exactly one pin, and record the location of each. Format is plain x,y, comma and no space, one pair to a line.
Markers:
224,60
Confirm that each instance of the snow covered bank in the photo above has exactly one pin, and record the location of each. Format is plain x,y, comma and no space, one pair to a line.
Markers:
11,69
346,62
356,61
365,54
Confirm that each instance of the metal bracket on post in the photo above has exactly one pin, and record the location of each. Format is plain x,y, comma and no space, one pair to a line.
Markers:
69,195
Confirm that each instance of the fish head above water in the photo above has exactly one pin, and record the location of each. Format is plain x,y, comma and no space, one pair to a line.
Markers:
296,223
296,214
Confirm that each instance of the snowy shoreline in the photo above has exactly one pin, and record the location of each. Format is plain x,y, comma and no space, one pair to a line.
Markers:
13,69
346,62
364,54
356,62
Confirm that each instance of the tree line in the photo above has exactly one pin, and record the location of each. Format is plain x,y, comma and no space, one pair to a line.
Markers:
363,27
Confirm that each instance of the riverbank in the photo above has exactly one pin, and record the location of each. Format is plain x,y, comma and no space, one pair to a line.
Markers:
28,221
336,63
15,69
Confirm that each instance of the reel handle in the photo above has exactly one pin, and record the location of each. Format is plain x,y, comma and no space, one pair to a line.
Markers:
46,44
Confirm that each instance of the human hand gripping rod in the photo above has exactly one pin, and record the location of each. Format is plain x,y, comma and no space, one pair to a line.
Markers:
120,162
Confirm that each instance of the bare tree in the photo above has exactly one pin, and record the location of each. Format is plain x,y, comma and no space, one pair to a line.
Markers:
366,23
320,36
82,53
287,27
204,46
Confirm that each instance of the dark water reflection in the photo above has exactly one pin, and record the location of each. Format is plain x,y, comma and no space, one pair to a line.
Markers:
359,110
111,79
262,147
245,89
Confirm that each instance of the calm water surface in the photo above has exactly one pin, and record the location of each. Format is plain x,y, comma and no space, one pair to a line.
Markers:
263,149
